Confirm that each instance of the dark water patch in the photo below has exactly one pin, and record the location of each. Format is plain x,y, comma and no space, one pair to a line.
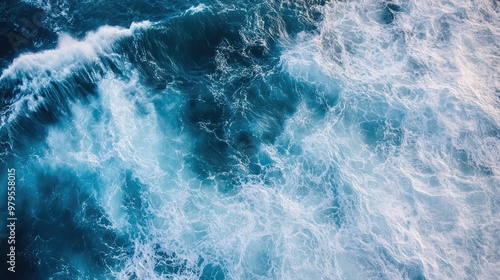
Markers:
338,210
83,245
257,51
109,64
389,12
443,29
70,16
245,143
269,101
212,272
223,134
186,51
168,264
22,29
205,117
184,46
298,16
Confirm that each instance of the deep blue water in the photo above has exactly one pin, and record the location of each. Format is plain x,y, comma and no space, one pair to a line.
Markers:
251,139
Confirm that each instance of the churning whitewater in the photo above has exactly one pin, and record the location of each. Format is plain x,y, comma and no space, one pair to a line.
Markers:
266,139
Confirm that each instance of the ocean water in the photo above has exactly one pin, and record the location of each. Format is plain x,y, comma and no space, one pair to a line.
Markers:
260,139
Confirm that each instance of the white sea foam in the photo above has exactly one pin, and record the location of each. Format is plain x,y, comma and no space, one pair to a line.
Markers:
36,71
437,64
409,205
416,195
197,9
69,55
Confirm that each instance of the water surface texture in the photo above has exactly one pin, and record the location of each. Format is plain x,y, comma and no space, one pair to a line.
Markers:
262,139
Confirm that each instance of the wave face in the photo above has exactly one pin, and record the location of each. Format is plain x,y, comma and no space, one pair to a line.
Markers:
256,140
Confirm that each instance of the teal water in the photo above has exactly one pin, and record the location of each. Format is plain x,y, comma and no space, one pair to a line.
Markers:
253,140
